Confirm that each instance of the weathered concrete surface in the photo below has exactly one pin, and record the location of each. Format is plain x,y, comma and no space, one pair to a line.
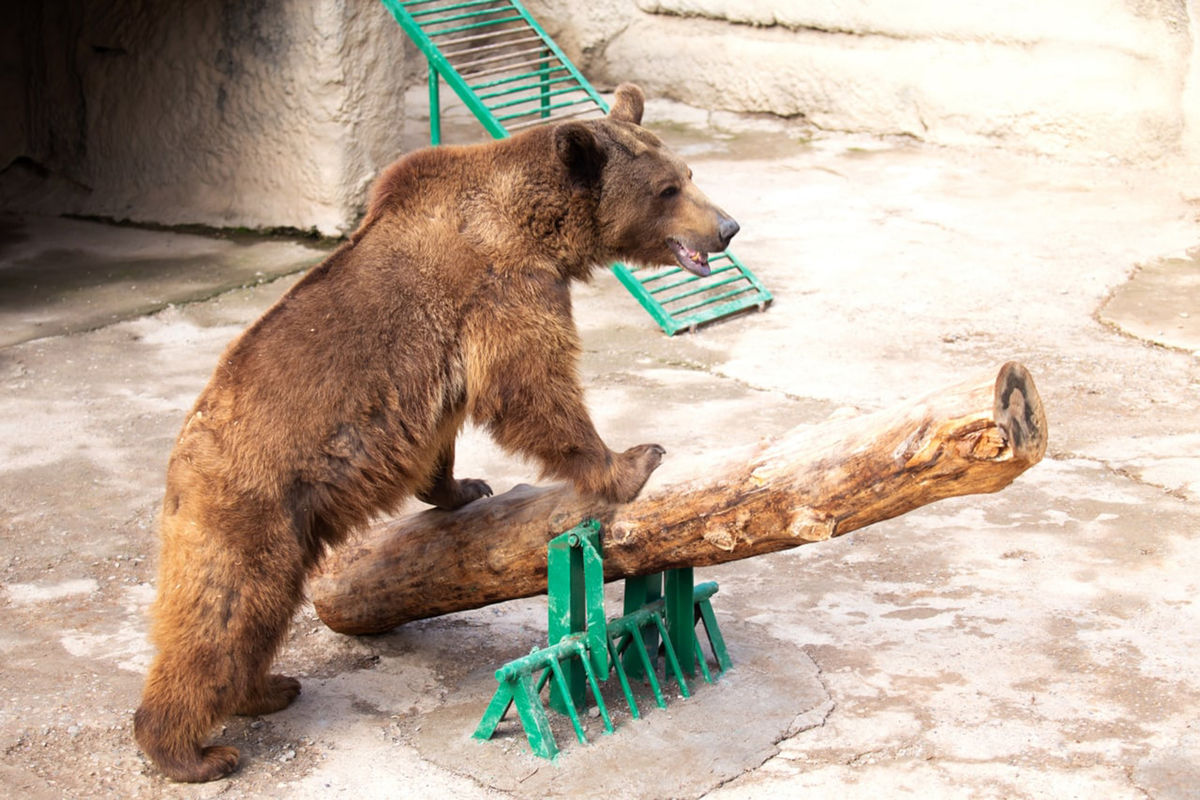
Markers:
1082,78
1034,643
1158,303
67,276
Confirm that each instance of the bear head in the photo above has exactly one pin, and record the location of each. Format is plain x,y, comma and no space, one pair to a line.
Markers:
648,210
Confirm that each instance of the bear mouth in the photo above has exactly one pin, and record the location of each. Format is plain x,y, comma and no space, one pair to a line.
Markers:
693,261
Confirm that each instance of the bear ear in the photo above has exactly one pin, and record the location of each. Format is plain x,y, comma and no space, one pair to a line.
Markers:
628,104
580,153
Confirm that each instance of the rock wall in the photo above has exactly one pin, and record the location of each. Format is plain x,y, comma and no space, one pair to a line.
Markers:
254,113
263,113
1090,78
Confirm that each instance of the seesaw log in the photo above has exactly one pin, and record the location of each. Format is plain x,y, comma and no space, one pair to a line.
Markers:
808,485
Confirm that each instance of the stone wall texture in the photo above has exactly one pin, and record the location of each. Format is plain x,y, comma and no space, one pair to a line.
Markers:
264,113
1085,78
232,113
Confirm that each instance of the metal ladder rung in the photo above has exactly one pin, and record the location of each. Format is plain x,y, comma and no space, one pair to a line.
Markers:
467,65
473,26
537,97
546,110
557,117
410,3
479,12
480,36
535,86
684,281
701,289
690,279
480,23
522,76
707,287
709,301
672,271
485,47
454,6
658,276
509,67
668,272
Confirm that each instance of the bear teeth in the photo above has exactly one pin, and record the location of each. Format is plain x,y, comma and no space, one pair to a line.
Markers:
689,259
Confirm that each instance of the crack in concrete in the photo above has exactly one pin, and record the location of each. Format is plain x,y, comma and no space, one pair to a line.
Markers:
706,369
1114,324
832,30
1128,771
822,713
1177,492
1116,329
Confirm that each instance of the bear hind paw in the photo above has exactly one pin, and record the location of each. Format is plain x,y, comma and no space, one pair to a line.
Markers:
276,695
209,764
216,762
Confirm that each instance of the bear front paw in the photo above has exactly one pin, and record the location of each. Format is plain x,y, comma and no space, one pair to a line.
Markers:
472,489
632,469
455,494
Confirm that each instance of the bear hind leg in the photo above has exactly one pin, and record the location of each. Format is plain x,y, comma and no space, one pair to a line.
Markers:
214,657
173,722
257,640
267,695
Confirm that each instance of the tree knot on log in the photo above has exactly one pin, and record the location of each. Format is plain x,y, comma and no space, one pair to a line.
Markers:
989,444
807,526
620,534
720,537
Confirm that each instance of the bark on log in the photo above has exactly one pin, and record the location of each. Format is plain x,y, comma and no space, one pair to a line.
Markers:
811,484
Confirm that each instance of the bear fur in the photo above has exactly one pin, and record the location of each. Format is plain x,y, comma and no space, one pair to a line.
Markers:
450,302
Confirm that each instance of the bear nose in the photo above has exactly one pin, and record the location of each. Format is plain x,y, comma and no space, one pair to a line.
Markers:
727,228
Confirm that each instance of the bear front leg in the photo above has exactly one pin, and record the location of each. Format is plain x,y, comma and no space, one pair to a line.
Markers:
445,491
567,445
632,472
533,404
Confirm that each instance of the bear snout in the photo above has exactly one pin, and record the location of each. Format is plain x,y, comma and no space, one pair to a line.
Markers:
727,228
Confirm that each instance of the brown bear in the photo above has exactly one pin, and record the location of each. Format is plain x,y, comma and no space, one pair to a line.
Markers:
451,301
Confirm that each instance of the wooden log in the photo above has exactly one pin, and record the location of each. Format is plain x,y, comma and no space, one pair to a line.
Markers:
811,484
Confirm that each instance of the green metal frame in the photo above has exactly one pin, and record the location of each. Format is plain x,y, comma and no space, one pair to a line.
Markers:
518,688
584,649
575,604
677,300
415,24
731,285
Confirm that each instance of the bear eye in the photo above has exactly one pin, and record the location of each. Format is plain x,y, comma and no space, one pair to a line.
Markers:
669,192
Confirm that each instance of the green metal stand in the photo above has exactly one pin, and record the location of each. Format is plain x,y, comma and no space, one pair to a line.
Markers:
575,603
583,648
512,76
642,591
517,687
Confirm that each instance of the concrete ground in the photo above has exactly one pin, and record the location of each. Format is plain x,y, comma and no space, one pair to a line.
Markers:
1039,642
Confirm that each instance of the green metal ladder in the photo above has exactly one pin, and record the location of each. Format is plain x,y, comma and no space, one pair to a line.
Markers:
511,75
